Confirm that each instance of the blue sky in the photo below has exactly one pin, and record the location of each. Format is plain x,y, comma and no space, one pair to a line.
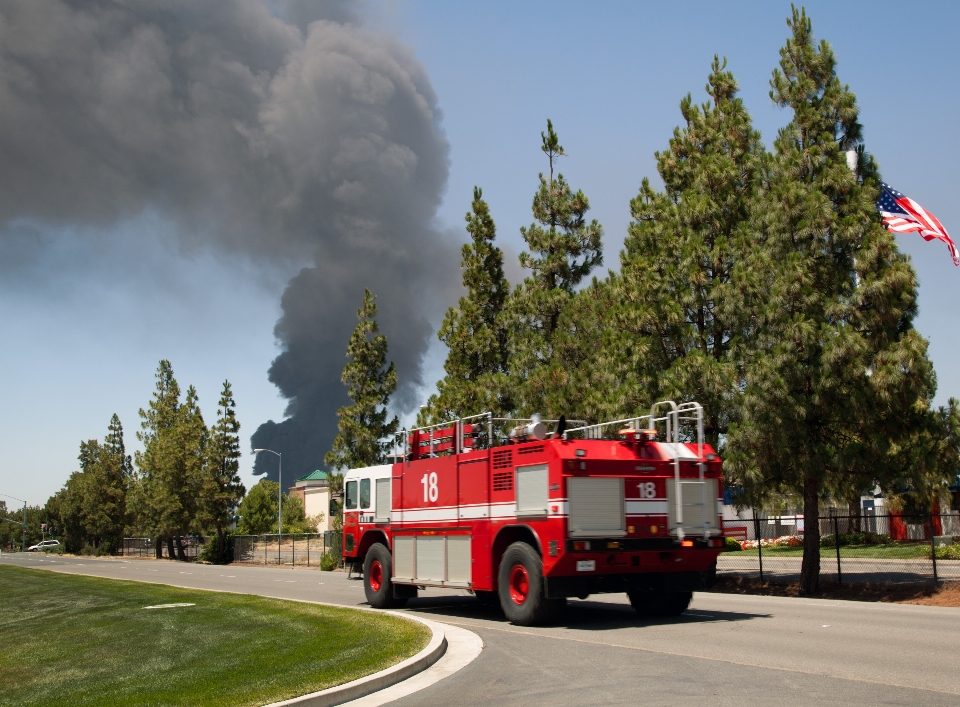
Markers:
84,328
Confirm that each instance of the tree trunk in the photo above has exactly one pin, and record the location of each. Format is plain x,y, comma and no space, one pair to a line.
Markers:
159,548
181,555
171,553
221,548
854,511
810,570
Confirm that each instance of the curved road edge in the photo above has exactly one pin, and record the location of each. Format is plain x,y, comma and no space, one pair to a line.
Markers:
450,648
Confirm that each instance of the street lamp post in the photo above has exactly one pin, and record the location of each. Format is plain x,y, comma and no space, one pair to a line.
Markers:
23,529
279,489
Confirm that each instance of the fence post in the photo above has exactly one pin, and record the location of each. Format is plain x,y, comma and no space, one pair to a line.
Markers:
756,533
308,551
836,539
264,550
933,550
293,540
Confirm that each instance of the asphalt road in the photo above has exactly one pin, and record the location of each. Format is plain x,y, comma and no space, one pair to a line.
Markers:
726,650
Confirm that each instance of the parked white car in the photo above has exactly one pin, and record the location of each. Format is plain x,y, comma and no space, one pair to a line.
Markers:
40,547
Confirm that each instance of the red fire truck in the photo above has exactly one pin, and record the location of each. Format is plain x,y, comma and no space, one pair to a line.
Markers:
516,512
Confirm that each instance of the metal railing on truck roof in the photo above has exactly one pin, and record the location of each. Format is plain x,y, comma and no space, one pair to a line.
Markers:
676,414
482,431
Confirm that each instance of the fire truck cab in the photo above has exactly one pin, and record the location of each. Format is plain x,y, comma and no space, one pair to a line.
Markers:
530,512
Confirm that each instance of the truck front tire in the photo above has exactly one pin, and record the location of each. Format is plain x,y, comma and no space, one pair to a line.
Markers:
377,573
520,585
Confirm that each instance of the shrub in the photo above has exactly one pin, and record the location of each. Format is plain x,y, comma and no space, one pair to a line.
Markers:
855,539
731,545
948,552
329,561
209,551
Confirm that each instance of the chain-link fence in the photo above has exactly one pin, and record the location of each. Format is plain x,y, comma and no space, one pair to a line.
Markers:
891,548
147,547
295,550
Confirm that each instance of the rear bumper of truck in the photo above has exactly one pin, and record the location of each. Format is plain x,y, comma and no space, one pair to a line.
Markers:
582,586
576,574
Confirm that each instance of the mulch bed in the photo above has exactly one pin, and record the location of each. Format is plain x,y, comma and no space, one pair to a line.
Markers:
947,594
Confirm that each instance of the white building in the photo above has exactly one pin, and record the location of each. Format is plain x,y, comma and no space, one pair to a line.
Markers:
314,491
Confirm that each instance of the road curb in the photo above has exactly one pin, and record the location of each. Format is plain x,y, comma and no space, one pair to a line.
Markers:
378,681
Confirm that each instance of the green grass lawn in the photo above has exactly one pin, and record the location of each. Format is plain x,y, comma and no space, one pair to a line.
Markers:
71,640
891,552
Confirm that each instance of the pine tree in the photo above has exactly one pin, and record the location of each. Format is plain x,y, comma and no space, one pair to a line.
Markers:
563,249
71,508
171,463
190,467
836,364
221,489
117,469
364,435
677,315
474,331
107,470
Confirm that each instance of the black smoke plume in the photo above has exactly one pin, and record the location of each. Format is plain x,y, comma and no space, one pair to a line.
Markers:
281,131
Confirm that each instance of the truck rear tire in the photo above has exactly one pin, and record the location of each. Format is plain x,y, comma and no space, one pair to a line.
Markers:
520,585
660,604
377,573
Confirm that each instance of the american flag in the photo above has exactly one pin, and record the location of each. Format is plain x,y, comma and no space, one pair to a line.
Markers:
903,215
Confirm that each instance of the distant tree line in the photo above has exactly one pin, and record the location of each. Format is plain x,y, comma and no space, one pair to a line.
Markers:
184,482
759,283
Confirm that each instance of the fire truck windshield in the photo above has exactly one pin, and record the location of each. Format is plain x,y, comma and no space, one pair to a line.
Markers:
364,493
351,501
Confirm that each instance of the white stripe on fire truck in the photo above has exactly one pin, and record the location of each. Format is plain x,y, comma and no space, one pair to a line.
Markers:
638,508
474,511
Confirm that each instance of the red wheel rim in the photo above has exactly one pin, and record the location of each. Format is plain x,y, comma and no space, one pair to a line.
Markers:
376,575
519,584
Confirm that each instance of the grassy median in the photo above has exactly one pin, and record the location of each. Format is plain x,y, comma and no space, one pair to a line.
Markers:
889,552
70,640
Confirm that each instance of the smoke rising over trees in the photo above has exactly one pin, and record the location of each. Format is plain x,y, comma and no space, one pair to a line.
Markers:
279,132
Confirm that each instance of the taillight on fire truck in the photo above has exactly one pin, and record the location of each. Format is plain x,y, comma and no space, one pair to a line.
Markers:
581,545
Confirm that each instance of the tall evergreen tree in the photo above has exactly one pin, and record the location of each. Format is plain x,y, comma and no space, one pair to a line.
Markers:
171,463
563,249
108,471
91,509
364,435
221,490
190,467
677,315
837,372
72,526
474,331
